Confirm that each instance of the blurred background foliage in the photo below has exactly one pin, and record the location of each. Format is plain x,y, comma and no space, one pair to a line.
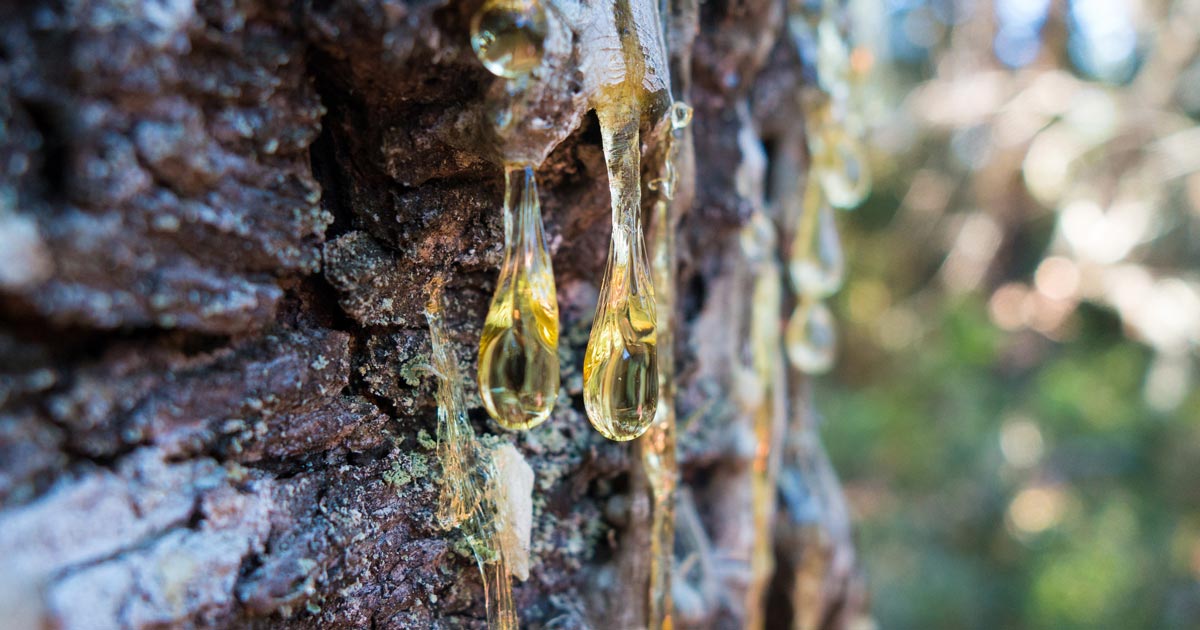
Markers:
1015,412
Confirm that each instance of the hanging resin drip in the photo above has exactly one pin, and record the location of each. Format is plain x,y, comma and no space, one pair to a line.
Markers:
815,262
838,177
469,492
839,159
810,338
620,371
759,243
680,116
460,489
518,351
509,36
657,448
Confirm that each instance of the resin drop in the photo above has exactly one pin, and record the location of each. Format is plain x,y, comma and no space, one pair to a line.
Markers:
518,351
509,36
816,263
840,165
833,58
620,371
681,115
810,338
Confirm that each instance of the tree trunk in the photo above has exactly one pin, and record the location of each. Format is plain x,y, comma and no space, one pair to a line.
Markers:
218,225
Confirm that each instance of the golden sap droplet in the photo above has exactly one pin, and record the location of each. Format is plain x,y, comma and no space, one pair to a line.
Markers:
620,366
620,370
810,338
509,36
518,350
840,164
681,115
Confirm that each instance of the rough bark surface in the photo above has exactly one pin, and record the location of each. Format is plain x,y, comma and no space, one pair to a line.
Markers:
218,221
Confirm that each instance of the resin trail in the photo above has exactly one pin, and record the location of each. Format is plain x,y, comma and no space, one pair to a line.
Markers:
765,358
459,488
469,491
657,447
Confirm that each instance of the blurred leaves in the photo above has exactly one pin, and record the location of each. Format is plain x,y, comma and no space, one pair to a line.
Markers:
1015,408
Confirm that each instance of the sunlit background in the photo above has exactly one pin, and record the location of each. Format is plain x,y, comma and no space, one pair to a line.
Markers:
1015,412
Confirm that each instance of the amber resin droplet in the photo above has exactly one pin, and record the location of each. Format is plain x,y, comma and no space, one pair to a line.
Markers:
833,58
620,372
843,170
839,161
810,338
518,351
620,366
509,36
816,263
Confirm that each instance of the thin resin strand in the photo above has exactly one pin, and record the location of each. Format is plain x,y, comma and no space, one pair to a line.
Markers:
469,491
658,445
766,300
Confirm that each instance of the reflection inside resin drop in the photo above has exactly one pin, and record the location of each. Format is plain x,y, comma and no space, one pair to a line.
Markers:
811,339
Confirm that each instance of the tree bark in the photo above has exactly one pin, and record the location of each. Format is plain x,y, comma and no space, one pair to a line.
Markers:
218,222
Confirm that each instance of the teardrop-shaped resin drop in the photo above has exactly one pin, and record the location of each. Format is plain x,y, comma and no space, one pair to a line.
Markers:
833,58
518,351
840,165
681,115
620,371
509,36
816,263
810,338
